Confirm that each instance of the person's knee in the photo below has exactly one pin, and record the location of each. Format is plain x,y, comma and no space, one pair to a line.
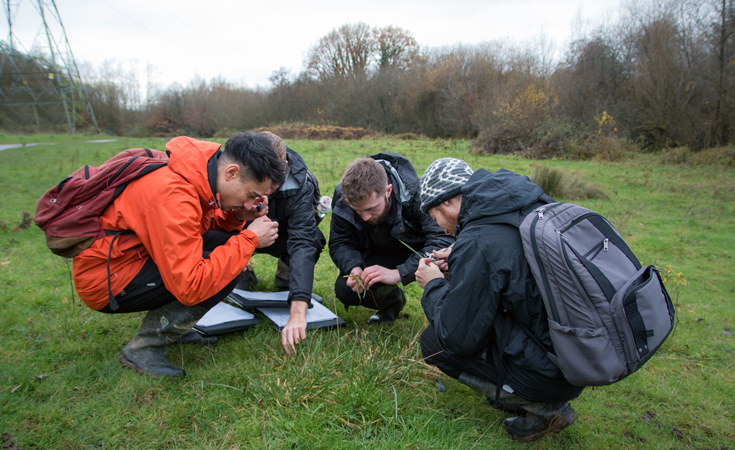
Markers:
430,348
344,293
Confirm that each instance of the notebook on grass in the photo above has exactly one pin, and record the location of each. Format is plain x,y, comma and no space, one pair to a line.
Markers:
252,299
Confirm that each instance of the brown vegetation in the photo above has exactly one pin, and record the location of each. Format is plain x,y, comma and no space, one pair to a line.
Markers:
319,132
661,76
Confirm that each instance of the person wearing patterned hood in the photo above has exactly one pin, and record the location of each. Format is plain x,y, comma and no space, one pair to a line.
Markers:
481,317
376,218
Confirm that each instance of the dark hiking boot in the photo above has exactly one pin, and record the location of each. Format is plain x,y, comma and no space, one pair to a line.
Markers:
541,419
283,274
390,301
488,389
146,352
192,337
247,281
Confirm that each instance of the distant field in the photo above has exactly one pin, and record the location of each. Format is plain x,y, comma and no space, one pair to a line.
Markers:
61,385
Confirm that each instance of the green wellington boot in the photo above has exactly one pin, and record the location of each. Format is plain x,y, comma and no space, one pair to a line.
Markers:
192,337
146,352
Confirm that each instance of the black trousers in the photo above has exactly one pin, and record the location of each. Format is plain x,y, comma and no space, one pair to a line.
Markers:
532,386
147,290
348,297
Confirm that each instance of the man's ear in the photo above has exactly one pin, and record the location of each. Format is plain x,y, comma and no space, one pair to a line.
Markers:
232,171
388,190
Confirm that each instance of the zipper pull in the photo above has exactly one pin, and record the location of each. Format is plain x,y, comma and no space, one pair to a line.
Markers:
604,245
541,214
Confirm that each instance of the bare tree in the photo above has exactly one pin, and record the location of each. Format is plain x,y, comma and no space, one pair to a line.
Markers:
342,53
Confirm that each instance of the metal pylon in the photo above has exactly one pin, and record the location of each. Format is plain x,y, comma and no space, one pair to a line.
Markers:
41,85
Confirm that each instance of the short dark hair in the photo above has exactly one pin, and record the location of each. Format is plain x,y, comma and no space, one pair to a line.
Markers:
363,177
257,156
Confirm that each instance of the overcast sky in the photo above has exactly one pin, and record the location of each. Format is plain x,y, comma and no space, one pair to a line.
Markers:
246,41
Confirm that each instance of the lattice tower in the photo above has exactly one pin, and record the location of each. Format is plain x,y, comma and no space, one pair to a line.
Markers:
41,85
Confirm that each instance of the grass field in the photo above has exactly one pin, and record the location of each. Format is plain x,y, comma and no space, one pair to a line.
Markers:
61,385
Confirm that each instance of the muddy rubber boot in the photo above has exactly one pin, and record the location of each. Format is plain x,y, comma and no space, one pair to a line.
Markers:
283,274
146,352
541,419
390,301
488,389
192,337
247,281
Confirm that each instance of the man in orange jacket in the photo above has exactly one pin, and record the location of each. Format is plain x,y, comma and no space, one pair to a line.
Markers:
188,245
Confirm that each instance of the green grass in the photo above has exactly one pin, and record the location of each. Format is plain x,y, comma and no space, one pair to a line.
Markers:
61,385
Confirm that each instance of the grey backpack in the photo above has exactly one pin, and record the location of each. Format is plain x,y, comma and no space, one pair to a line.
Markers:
607,314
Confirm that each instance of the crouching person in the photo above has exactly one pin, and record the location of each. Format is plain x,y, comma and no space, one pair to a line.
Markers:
184,245
299,243
480,318
376,217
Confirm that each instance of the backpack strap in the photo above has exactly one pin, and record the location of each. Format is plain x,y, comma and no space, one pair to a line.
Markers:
113,302
513,218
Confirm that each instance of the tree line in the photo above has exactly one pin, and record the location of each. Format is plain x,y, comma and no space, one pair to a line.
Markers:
662,75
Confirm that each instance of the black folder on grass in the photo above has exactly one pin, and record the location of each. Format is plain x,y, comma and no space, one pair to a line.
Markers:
252,299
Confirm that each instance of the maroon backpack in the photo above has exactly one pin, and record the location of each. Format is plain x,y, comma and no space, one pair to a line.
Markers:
69,212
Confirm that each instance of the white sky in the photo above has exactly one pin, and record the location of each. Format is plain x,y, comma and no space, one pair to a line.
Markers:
245,41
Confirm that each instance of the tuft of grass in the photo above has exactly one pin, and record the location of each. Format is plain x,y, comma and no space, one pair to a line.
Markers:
559,184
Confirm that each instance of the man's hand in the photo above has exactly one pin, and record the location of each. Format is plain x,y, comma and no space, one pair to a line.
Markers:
259,209
295,330
266,230
352,282
427,272
441,257
379,274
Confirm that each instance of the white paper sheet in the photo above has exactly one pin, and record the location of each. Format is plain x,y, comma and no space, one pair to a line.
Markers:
223,313
318,313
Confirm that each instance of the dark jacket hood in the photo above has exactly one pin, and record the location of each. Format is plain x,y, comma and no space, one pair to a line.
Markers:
489,194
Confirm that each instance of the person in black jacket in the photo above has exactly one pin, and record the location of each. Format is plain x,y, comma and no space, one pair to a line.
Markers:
299,243
480,318
376,217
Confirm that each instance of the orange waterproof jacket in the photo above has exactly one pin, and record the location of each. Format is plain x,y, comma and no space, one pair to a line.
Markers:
168,210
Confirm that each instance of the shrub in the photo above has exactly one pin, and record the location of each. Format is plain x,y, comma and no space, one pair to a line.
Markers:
497,142
549,139
406,136
613,149
319,132
721,157
224,133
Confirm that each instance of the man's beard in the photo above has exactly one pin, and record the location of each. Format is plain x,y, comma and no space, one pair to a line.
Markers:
383,215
